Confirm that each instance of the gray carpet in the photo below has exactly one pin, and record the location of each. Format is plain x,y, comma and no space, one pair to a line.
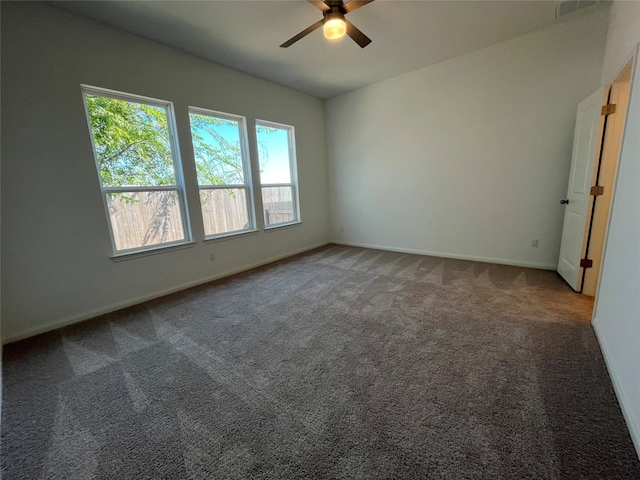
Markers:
340,363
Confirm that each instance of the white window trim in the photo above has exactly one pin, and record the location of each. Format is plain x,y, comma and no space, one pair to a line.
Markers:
246,169
131,254
177,167
293,172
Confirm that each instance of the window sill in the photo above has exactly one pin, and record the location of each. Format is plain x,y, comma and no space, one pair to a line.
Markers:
230,236
120,257
281,225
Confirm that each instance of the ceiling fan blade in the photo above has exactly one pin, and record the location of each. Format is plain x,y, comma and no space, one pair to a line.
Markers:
320,4
303,33
354,4
357,36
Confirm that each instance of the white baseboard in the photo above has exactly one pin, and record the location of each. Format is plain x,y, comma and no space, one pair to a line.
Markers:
627,412
475,258
144,298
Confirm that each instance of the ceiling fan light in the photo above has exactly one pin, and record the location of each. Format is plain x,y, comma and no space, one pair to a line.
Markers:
334,28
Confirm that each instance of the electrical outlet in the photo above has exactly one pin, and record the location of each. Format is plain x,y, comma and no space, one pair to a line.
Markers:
212,257
534,242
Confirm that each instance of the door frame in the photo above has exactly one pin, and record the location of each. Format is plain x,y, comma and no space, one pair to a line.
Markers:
605,175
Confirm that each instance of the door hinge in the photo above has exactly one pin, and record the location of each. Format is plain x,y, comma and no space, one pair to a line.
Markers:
608,109
596,190
586,263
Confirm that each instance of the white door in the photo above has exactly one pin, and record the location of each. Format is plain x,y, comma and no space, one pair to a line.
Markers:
586,152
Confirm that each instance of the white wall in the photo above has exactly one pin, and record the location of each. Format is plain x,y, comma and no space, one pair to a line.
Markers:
470,157
622,37
617,311
55,240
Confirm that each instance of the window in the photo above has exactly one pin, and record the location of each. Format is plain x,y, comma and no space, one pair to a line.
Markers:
223,171
139,169
278,179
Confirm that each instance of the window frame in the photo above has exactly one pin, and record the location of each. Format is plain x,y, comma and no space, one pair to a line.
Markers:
179,186
293,173
246,170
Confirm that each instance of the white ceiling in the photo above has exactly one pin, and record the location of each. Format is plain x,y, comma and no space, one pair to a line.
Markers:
245,35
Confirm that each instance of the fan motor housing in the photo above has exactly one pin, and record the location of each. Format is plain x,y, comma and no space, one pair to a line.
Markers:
331,14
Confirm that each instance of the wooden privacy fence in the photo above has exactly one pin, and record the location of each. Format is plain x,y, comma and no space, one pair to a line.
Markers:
151,218
145,218
224,210
278,206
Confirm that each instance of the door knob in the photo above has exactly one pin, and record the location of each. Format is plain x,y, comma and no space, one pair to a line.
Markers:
565,202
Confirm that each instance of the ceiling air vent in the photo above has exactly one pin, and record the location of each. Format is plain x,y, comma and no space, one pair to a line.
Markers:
566,7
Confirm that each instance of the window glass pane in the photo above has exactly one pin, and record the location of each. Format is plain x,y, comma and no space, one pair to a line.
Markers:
216,146
224,210
145,218
278,205
131,142
273,154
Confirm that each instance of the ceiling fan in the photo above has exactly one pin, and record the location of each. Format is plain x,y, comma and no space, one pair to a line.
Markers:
334,24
